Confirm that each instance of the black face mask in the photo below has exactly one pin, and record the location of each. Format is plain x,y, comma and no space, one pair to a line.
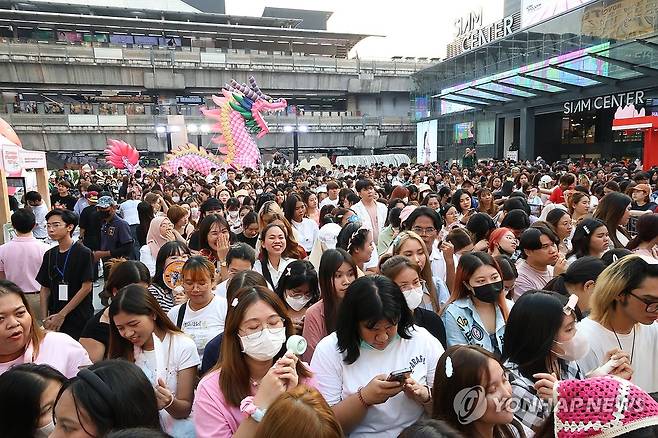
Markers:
488,293
105,214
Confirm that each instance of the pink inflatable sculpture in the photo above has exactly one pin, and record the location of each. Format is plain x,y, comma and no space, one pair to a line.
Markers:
121,155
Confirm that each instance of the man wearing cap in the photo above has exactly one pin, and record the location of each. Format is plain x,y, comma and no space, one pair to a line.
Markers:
116,239
641,204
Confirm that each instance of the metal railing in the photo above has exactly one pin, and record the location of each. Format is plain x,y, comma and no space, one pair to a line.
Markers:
103,53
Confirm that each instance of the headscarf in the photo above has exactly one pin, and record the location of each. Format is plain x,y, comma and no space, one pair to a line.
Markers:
154,239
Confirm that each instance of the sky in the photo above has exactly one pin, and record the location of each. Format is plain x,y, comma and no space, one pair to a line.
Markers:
418,28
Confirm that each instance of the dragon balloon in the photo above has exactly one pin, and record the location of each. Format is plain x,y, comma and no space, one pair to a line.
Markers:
121,155
237,118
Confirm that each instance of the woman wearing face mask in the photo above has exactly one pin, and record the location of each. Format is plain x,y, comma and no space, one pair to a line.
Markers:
202,315
370,369
96,335
168,273
337,271
233,215
295,210
298,289
24,341
406,273
140,332
477,310
542,346
161,231
463,367
27,396
502,241
254,368
579,279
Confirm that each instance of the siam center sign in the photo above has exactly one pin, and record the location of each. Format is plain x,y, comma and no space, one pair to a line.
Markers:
604,102
471,34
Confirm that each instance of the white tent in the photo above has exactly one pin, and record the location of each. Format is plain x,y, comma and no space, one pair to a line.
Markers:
369,160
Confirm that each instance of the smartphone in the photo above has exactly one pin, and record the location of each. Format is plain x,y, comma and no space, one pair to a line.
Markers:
399,375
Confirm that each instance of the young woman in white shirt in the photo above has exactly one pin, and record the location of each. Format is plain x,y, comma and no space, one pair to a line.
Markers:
376,369
294,210
202,316
275,253
140,332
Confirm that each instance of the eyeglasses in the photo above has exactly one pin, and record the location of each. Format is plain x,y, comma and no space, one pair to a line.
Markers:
423,231
652,306
54,225
257,331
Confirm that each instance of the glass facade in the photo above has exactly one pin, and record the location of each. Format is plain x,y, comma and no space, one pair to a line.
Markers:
591,46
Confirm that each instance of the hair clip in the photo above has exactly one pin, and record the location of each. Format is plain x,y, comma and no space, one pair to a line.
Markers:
614,258
234,302
448,367
396,241
586,229
571,305
288,272
354,234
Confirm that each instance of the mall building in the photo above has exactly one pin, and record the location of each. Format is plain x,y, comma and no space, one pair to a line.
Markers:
545,80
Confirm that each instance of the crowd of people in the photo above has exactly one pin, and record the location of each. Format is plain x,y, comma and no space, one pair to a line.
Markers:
475,299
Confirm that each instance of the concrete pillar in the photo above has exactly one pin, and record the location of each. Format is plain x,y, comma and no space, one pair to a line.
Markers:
67,108
508,137
527,142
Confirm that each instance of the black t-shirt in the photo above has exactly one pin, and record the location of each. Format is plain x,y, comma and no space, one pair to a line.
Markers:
195,242
251,241
90,221
97,330
78,270
431,322
67,201
648,206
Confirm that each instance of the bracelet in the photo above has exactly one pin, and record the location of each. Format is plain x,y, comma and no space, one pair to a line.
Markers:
171,402
361,399
429,392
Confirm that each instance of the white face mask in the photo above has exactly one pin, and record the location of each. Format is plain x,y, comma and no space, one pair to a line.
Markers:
194,213
45,431
233,214
263,345
414,297
259,191
574,349
175,198
297,304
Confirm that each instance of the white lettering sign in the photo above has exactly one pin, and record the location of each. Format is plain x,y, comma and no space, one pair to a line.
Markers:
604,102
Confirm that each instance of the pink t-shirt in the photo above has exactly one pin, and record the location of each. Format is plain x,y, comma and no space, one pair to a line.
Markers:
214,417
529,278
20,260
314,329
58,350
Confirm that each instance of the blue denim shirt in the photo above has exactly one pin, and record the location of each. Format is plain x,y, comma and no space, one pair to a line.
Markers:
465,327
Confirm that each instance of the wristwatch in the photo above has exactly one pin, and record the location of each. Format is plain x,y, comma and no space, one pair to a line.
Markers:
248,407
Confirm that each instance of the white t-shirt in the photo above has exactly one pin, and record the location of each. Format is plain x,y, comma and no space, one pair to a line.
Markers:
220,290
338,380
204,324
308,232
645,353
327,201
146,257
129,211
176,353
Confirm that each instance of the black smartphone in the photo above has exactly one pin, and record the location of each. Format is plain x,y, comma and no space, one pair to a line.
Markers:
399,375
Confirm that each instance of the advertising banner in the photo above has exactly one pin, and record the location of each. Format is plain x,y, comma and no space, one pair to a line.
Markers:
426,141
535,11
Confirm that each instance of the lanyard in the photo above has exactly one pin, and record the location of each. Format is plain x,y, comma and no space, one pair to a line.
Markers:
66,261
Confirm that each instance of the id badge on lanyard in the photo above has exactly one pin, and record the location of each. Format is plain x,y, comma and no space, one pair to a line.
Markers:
63,289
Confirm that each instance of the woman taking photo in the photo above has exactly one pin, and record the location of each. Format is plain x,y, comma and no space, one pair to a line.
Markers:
27,396
96,335
579,205
109,395
647,236
614,212
202,316
562,224
357,241
254,368
406,273
140,332
168,275
337,271
276,252
477,310
374,338
542,346
467,366
590,238
298,290
294,210
24,341
502,241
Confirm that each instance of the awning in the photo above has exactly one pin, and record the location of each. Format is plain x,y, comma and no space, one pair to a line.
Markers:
597,65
